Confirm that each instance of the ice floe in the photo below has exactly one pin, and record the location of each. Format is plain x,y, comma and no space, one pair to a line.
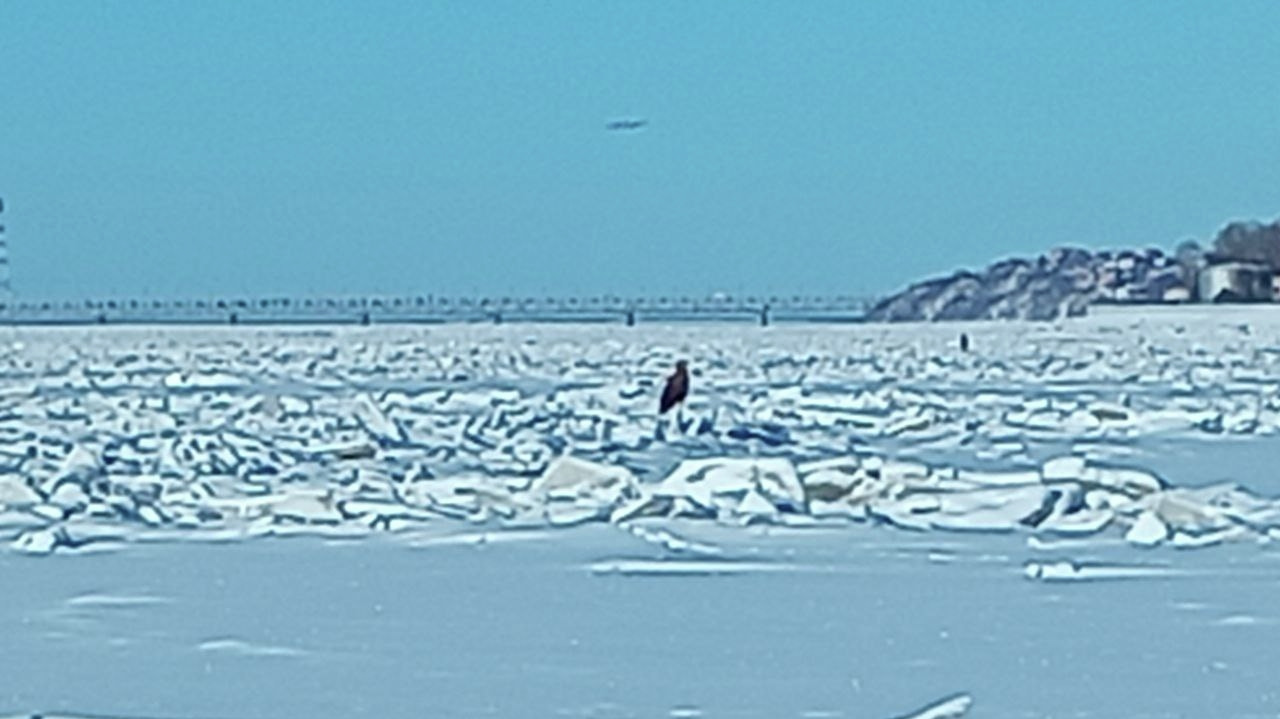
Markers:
950,708
251,433
115,601
239,647
684,568
1068,496
1067,571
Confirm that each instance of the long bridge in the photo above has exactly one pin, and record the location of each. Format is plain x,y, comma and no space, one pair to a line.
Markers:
761,309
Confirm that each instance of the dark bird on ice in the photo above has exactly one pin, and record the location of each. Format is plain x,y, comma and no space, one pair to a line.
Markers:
964,342
626,124
677,388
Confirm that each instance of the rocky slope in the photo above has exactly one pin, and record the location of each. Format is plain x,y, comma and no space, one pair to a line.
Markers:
1061,283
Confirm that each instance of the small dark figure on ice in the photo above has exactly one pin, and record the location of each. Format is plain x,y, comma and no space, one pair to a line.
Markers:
673,395
964,342
676,389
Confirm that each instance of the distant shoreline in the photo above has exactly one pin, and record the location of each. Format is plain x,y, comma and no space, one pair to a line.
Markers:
1138,311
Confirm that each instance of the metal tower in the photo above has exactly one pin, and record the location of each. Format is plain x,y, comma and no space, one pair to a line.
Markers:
6,287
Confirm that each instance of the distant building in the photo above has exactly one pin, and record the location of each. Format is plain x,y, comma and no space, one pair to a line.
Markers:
1236,282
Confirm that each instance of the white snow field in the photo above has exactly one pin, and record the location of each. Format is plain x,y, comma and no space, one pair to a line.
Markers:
1076,519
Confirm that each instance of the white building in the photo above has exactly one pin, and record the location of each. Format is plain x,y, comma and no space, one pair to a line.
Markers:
1235,282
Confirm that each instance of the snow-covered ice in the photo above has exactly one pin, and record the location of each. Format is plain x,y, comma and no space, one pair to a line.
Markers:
127,435
1099,460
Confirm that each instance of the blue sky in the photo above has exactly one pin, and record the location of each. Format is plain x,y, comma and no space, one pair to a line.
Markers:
181,149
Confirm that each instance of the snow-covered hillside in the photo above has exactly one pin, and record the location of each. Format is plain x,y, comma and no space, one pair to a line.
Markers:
1061,283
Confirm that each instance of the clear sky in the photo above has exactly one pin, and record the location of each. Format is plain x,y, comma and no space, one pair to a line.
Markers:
189,148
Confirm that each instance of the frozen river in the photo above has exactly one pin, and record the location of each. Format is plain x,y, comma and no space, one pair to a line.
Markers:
585,623
1072,519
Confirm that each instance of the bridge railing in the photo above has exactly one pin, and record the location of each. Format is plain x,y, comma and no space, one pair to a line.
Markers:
437,308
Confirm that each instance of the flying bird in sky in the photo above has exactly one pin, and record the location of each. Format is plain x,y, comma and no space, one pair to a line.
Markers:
628,124
676,389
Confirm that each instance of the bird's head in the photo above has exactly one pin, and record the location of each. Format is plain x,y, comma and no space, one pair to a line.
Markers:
682,365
